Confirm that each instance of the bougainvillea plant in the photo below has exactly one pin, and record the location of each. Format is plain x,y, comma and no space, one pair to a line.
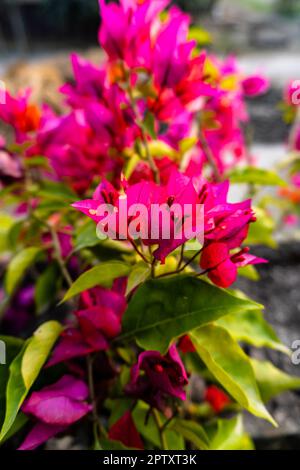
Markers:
291,164
106,329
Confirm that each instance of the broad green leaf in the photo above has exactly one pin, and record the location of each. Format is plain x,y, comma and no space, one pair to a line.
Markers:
47,207
261,233
38,350
12,349
17,267
139,274
249,272
87,236
15,393
54,190
25,368
254,175
102,275
272,381
47,282
230,435
252,328
230,366
162,310
6,222
192,432
117,408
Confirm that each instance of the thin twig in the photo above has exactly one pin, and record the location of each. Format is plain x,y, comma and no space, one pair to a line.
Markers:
139,252
163,440
97,423
210,156
59,258
178,271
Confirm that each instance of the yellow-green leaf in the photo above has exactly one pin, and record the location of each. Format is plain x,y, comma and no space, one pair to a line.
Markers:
17,267
251,327
272,381
102,275
24,370
38,350
230,366
230,435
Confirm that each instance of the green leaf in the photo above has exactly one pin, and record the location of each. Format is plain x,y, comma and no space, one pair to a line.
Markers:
192,432
18,424
230,366
252,175
15,393
38,161
139,274
251,327
17,267
54,190
47,282
87,236
25,368
272,381
261,233
200,35
159,148
230,435
12,347
187,144
6,222
102,275
149,124
38,350
249,272
162,310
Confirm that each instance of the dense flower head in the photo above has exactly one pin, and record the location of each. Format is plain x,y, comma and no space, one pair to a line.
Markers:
155,378
152,69
224,225
55,408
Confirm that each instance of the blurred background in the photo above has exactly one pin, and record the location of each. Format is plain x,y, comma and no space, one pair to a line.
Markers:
36,38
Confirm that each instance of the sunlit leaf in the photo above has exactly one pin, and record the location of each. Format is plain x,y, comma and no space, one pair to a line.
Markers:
272,381
102,275
25,368
230,366
17,267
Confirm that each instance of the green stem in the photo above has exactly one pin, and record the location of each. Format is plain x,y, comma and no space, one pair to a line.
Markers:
57,250
96,422
164,444
178,271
